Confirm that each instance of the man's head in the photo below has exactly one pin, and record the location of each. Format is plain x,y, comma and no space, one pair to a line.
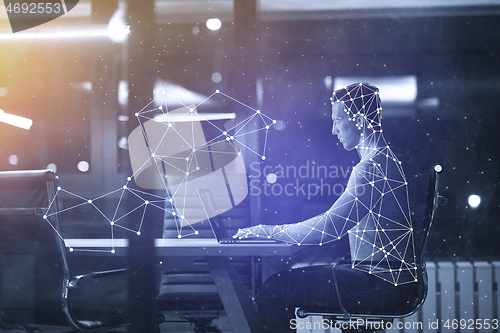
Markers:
356,106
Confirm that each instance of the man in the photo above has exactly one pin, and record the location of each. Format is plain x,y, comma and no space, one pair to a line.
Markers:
382,274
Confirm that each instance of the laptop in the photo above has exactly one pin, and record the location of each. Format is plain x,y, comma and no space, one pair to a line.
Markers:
218,227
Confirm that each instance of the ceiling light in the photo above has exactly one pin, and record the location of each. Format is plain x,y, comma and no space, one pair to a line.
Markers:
83,166
393,89
474,200
173,95
216,77
118,30
97,31
14,120
170,117
13,159
52,166
214,24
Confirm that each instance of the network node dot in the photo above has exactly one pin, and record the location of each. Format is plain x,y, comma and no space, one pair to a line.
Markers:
112,223
179,236
124,187
217,91
182,217
146,202
258,111
129,179
89,201
70,249
196,232
138,233
137,115
59,188
174,213
161,107
263,157
45,217
153,155
112,251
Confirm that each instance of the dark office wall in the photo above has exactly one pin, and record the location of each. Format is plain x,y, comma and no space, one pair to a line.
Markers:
454,58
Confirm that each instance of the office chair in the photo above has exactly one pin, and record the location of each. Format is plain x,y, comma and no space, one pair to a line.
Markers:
32,194
372,323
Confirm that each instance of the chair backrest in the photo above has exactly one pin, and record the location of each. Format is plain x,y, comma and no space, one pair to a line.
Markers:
29,216
431,205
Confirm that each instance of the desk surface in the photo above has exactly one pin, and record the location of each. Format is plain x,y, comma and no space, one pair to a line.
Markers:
233,293
182,247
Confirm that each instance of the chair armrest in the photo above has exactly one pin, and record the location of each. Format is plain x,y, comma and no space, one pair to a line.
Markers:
442,201
73,283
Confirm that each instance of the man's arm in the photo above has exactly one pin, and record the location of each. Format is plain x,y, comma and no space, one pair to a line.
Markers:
344,214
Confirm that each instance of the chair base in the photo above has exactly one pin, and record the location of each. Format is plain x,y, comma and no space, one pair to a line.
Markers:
203,325
352,323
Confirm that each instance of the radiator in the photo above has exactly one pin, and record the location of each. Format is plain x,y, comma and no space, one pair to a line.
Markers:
462,297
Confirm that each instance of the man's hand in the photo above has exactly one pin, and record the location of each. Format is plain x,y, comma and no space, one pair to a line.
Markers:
261,231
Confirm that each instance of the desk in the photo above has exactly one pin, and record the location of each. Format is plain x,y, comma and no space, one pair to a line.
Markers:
237,302
181,247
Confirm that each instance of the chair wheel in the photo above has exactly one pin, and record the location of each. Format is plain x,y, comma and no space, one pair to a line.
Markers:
158,318
301,313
